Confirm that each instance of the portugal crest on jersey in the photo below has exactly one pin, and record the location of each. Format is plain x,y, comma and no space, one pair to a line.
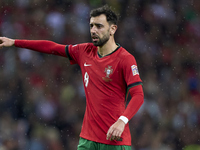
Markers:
108,72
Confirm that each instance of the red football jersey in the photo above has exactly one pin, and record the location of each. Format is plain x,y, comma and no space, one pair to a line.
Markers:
106,80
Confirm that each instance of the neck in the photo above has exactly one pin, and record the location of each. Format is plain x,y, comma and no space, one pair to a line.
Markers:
107,48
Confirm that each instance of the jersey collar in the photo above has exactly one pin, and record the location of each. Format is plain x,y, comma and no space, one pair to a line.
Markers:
100,56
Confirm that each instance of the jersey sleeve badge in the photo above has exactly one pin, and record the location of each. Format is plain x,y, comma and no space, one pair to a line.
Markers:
134,70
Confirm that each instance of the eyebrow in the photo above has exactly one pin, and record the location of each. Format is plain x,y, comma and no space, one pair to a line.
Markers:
96,24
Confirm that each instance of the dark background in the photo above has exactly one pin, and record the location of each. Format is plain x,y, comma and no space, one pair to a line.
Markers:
42,100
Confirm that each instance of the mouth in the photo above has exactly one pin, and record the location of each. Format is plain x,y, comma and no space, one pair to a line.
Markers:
95,38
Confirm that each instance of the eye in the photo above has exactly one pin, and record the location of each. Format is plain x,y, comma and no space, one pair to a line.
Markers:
99,26
91,25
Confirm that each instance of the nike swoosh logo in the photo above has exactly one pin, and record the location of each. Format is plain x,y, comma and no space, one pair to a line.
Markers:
87,64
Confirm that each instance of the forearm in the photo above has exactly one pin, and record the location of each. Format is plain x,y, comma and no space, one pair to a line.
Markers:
135,103
42,46
115,131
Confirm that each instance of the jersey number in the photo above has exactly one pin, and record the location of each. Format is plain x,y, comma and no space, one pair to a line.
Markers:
86,79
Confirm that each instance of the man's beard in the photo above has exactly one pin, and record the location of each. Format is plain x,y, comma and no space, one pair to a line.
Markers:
102,40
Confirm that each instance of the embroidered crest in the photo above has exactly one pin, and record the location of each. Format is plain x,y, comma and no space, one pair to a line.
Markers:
134,70
108,72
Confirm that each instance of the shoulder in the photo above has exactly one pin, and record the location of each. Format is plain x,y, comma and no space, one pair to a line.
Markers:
126,59
83,45
125,55
87,46
90,46
89,49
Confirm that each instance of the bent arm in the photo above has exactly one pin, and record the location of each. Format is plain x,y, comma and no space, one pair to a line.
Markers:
116,130
42,46
137,99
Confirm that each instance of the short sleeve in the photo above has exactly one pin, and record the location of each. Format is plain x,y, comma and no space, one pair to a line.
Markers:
130,71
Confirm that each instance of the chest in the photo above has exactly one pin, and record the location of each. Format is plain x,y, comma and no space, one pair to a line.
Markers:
104,70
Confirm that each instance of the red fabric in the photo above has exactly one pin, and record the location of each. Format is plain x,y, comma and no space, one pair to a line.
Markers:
43,46
106,80
136,101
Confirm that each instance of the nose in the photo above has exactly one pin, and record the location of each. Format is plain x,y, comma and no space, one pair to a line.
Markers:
93,30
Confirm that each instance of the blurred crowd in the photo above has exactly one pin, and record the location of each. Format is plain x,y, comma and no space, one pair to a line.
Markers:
42,99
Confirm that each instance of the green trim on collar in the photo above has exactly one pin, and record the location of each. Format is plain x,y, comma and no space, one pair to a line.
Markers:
110,53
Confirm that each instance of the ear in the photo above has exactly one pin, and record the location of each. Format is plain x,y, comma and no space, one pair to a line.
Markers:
113,29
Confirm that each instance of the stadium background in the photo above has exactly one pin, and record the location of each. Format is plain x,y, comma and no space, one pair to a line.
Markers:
42,100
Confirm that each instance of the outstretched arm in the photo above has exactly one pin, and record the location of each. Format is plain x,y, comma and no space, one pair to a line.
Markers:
42,46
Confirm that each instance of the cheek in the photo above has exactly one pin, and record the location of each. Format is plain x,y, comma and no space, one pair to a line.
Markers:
103,32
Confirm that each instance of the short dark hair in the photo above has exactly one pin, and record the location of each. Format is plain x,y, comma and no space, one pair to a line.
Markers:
111,16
